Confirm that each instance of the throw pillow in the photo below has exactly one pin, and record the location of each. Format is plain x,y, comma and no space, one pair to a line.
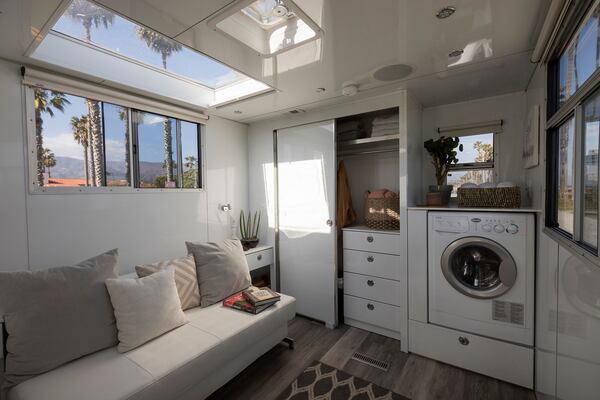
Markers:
186,279
56,315
145,308
222,269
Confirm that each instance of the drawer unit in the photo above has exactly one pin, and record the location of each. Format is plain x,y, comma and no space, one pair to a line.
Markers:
505,361
372,313
259,258
368,263
388,243
370,287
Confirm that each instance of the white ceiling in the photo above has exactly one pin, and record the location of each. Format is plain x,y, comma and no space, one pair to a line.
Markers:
359,36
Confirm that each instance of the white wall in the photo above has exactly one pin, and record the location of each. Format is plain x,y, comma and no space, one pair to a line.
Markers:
511,108
42,230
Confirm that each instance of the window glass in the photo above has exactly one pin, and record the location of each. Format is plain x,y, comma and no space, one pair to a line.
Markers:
457,178
591,135
157,150
565,165
581,58
69,141
116,145
476,148
189,155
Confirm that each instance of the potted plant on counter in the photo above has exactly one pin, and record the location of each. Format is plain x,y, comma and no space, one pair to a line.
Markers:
249,226
443,152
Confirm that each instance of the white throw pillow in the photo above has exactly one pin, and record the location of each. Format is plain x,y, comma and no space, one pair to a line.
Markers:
145,308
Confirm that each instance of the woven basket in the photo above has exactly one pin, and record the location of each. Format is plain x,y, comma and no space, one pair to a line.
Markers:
507,197
383,213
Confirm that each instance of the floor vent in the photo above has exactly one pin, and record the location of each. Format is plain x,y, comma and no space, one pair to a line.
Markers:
373,362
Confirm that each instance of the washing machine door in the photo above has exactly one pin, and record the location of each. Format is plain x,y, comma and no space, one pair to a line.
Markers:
479,267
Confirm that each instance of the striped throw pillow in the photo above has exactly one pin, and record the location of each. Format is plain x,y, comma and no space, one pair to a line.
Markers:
185,278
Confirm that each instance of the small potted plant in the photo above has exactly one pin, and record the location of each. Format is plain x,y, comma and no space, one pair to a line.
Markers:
249,226
443,154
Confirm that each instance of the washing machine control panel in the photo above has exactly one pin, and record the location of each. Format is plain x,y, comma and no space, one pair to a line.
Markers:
495,225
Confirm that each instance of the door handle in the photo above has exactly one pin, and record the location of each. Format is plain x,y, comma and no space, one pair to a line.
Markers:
370,239
370,282
370,259
463,340
329,222
370,306
259,257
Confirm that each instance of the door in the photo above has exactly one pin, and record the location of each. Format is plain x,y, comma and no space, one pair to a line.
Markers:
479,267
306,179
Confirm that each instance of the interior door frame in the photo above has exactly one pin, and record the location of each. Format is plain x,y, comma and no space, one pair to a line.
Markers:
333,216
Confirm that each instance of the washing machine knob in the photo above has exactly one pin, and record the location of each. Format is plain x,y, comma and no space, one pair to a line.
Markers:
512,228
499,228
486,228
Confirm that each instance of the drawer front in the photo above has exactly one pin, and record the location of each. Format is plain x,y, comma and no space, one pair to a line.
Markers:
372,241
372,312
370,287
376,264
501,360
260,259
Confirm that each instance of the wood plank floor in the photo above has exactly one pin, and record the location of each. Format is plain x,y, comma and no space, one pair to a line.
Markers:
410,375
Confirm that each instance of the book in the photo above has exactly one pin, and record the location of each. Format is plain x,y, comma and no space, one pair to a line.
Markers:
239,302
260,296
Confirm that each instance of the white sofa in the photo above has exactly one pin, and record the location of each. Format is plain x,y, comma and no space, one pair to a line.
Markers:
189,362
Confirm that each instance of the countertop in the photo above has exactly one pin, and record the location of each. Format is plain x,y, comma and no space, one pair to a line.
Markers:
474,209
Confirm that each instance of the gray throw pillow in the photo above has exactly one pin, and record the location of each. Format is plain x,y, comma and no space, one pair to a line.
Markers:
145,308
222,269
56,315
186,279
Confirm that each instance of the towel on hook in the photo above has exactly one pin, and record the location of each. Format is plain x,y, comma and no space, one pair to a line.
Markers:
345,212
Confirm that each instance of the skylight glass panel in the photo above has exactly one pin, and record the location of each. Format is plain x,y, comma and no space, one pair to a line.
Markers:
261,11
99,27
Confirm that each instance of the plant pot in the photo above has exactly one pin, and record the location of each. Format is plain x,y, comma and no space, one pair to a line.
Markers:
248,244
444,190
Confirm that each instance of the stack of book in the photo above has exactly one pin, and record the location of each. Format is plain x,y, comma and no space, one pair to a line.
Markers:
252,300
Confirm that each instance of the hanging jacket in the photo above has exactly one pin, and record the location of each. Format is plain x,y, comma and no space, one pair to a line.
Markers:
345,213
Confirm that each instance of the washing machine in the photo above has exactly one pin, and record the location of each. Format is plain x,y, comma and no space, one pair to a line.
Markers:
481,273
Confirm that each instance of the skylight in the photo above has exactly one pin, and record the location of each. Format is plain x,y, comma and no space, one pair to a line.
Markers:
86,24
266,26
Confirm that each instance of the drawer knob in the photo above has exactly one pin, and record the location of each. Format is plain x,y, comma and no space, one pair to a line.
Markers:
259,257
370,239
370,259
370,306
463,340
370,282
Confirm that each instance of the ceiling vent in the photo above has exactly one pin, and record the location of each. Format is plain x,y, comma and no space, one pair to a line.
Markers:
392,72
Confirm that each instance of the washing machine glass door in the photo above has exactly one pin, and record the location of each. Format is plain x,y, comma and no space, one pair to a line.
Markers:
479,267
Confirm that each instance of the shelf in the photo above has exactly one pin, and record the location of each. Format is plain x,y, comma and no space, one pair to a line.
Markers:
370,140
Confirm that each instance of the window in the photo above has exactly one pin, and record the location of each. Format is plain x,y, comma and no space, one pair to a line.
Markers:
475,162
81,142
573,138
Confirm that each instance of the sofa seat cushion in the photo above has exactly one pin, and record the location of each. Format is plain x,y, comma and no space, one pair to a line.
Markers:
165,367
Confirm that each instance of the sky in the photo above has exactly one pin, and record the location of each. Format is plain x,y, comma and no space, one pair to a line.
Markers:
469,153
121,37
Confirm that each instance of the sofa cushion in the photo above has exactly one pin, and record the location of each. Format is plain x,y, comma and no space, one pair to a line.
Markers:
222,269
165,367
145,308
56,315
186,278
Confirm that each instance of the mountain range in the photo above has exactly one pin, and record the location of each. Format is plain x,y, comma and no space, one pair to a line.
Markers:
69,167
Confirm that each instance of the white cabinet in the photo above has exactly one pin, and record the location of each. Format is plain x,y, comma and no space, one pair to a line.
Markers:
373,287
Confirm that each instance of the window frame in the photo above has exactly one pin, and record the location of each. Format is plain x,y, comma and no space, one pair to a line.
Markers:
133,185
465,167
556,116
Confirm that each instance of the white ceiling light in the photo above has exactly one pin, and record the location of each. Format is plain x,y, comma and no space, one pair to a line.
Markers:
445,12
266,26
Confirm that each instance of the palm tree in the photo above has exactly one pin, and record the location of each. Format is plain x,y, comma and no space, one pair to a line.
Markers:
190,164
45,102
124,116
81,134
48,160
90,15
159,43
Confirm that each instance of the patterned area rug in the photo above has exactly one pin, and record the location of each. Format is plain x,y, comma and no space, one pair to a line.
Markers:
322,382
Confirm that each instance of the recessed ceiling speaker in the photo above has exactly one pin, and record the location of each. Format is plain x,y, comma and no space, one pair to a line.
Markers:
392,72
